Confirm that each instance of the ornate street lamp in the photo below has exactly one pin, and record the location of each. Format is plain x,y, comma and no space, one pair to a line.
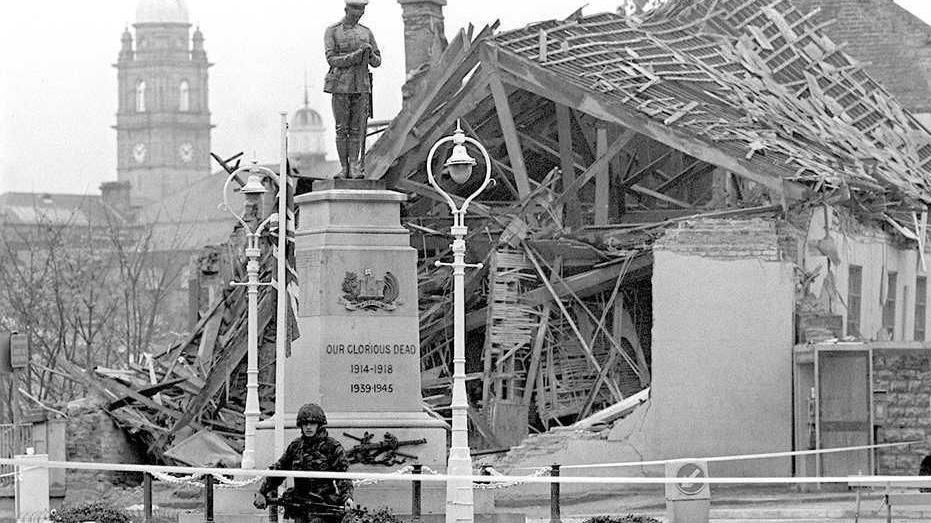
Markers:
253,191
459,504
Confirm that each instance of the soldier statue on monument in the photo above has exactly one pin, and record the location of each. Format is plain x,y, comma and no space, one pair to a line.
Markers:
350,50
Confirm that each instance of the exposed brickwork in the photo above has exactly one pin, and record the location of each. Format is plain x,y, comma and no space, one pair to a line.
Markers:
755,238
892,43
791,241
424,33
903,411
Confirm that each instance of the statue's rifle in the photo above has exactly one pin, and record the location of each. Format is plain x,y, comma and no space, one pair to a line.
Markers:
369,113
367,452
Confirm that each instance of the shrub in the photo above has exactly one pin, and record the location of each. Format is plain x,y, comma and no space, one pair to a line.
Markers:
630,518
96,511
381,515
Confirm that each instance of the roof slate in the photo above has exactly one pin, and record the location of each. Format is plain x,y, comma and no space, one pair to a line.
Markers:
755,77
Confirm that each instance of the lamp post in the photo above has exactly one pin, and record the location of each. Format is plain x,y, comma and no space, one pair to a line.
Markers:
253,191
459,504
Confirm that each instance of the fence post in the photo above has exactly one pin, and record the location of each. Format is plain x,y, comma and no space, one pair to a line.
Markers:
415,494
147,497
554,496
208,497
32,492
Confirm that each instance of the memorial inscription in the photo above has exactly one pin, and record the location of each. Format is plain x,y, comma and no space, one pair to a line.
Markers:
376,372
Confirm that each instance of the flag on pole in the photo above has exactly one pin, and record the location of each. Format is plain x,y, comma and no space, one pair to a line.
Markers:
291,282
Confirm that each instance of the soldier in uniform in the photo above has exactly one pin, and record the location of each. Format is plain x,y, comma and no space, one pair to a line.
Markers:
350,50
311,500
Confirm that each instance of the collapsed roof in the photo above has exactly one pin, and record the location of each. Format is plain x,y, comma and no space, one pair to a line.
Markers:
750,86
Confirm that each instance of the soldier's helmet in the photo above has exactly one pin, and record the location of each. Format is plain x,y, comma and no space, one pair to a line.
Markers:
311,413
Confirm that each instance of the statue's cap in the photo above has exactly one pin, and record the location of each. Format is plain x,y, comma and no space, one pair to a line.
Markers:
357,3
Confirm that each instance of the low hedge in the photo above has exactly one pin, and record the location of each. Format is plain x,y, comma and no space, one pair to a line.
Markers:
630,518
97,511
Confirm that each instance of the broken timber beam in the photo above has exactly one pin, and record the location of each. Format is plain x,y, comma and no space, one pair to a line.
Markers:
421,140
427,191
647,169
511,140
573,213
603,177
458,55
600,164
568,317
659,196
686,173
224,366
112,387
146,391
596,387
521,73
584,284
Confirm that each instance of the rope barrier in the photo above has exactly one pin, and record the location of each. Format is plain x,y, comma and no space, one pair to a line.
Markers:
152,469
196,479
175,480
737,457
401,471
229,483
492,486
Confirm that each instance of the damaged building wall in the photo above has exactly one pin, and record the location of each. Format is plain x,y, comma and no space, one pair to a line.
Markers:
91,435
875,283
709,374
875,259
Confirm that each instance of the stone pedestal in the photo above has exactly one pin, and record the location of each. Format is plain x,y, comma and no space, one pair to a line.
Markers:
359,351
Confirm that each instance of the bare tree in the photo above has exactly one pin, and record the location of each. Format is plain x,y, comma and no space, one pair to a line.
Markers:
92,293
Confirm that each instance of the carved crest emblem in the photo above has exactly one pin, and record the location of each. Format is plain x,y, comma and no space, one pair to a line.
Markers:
370,293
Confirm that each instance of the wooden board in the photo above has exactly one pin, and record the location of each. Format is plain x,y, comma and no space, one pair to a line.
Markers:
844,411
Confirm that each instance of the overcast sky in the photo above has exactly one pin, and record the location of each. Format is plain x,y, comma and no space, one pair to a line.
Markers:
58,86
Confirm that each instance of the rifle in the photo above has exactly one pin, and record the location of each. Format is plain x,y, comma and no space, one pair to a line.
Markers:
356,514
384,452
291,503
369,113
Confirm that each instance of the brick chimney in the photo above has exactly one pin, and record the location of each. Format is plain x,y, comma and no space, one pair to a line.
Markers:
116,195
424,38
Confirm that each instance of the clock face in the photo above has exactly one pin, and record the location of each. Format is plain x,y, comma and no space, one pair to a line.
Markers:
186,151
139,152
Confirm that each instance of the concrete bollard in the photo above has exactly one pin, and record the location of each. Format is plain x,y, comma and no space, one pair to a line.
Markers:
32,486
686,501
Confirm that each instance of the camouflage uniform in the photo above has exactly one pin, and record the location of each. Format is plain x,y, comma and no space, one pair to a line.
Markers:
349,82
312,500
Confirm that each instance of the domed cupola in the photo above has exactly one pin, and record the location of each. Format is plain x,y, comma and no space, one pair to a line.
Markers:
307,132
162,12
307,118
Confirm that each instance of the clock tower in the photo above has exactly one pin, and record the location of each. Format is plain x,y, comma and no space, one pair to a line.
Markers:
163,119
